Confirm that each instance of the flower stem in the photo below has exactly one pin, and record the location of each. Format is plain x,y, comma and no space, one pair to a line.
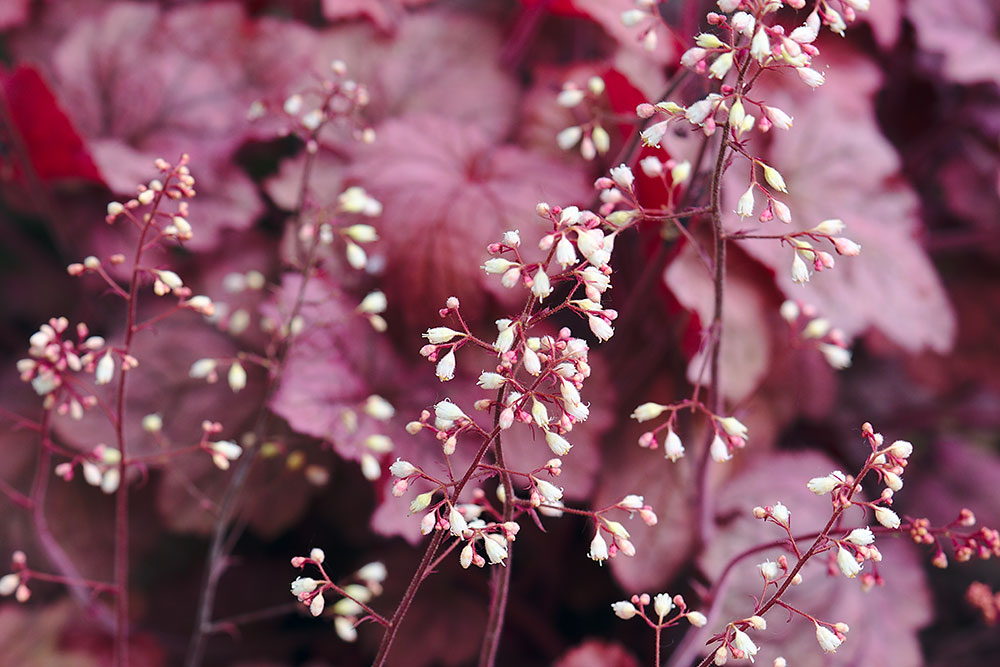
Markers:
500,577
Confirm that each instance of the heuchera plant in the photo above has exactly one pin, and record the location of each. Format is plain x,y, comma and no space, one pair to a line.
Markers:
382,193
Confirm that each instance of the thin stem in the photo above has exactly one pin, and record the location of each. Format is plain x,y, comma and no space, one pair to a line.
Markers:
411,590
704,524
501,575
60,560
223,539
821,538
121,497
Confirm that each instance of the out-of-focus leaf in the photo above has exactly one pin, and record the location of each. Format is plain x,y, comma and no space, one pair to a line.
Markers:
13,13
963,32
608,15
41,128
594,653
386,14
142,83
447,193
746,332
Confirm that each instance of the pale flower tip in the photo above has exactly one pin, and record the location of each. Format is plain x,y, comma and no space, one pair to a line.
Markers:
696,618
624,609
317,555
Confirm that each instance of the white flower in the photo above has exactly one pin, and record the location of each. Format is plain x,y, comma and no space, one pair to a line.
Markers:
223,452
489,380
830,227
624,609
505,340
379,408
847,563
779,118
673,448
719,450
632,502
558,444
512,238
570,97
828,641
809,76
344,626
774,178
549,491
780,514
892,480
600,327
901,449
838,357
457,521
448,411
446,366
237,377
105,369
374,302
824,485
401,468
570,215
565,252
662,604
438,335
760,47
651,166
734,427
496,265
696,618
202,368
569,137
539,413
743,23
540,285
356,256
622,176
722,65
496,548
887,517
680,172
532,363
303,586
800,271
707,40
769,570
742,641
317,604
744,207
598,548
860,536
648,411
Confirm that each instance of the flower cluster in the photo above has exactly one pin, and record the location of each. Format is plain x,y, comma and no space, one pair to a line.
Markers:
818,332
585,103
669,610
729,433
54,359
16,583
352,607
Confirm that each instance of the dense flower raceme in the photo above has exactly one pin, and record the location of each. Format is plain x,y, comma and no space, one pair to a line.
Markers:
537,381
746,44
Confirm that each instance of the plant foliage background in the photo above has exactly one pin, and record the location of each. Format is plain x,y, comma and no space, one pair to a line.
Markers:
901,143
